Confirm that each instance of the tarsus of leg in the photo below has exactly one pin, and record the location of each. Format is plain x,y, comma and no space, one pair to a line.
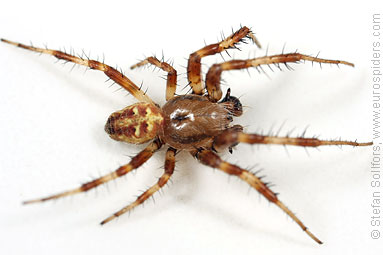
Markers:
213,160
136,162
109,71
169,169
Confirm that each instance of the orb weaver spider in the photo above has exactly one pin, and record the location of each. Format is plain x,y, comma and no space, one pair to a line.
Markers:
198,123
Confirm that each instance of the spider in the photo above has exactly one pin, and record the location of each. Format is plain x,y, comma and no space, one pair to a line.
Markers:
198,123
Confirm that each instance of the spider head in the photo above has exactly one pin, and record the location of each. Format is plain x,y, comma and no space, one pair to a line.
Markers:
137,123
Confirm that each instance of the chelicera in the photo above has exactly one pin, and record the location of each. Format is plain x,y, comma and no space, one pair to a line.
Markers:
199,123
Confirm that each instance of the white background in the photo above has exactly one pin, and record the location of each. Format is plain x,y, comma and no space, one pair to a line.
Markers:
52,134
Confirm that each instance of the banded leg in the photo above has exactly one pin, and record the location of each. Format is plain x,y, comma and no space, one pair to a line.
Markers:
171,82
109,71
136,162
231,137
194,63
213,76
211,159
169,169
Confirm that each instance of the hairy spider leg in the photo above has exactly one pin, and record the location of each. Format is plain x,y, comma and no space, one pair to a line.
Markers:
194,62
109,71
232,137
136,162
213,76
171,82
211,159
169,169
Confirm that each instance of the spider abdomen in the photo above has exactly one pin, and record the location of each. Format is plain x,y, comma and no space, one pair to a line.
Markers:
192,121
137,123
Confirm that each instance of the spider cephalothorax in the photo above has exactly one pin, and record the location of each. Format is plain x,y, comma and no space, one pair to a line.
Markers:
192,121
198,123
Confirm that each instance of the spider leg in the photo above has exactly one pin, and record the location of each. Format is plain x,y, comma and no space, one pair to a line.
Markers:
169,169
211,159
109,71
231,137
194,63
171,82
213,76
136,162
